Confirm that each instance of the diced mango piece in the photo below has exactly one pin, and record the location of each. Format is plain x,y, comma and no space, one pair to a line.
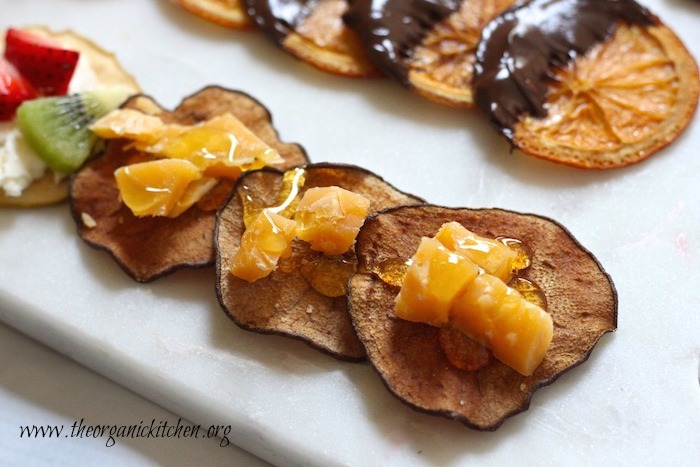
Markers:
264,242
491,255
194,192
154,188
434,279
330,218
222,145
495,315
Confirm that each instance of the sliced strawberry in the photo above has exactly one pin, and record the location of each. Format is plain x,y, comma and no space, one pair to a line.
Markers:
14,89
48,66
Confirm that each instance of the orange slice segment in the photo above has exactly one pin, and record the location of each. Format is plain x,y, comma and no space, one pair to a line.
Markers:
229,13
442,65
624,100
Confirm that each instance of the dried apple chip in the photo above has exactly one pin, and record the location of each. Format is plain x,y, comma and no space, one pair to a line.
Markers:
304,297
430,47
598,85
150,247
415,360
314,32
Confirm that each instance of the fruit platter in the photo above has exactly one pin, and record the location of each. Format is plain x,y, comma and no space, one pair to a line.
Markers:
415,246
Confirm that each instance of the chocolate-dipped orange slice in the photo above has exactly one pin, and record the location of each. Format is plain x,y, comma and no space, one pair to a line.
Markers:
592,84
314,32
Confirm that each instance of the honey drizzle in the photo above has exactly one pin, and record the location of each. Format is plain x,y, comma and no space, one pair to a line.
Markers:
327,275
391,271
287,198
529,291
522,260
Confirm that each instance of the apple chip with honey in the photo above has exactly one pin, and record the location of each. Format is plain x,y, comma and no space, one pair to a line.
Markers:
426,366
314,32
148,246
597,85
303,295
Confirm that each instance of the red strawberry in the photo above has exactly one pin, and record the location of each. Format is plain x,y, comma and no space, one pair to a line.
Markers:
14,89
48,66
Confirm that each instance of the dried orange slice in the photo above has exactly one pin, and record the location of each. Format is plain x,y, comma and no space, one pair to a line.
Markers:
631,90
628,98
229,13
314,32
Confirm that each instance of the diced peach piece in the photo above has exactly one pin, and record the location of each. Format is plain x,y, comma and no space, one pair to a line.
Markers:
267,239
154,188
497,316
434,279
330,218
492,256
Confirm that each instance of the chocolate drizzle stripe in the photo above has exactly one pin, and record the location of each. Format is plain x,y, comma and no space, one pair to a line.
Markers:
390,29
520,49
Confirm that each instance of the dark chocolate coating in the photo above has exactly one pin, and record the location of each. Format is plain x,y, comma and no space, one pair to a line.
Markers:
520,48
391,28
277,18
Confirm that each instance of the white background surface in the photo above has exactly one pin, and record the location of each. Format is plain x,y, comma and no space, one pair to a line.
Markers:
41,387
635,402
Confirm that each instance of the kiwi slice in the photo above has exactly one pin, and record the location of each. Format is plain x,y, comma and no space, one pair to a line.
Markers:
58,128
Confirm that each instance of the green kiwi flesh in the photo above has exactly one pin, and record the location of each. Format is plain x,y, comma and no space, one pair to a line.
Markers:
58,128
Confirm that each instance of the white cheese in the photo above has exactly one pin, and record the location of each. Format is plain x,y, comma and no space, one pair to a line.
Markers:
19,165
